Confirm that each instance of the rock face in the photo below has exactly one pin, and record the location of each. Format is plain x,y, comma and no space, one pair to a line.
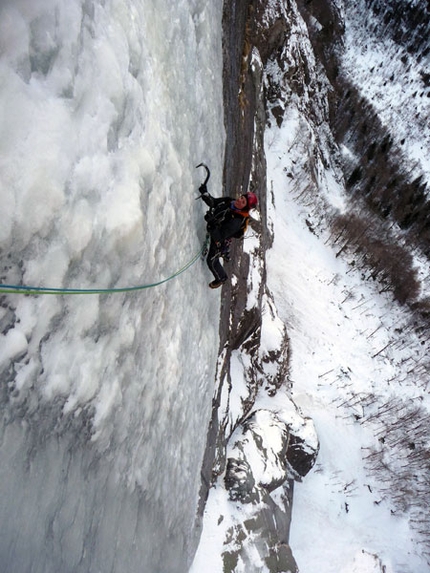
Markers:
253,453
284,58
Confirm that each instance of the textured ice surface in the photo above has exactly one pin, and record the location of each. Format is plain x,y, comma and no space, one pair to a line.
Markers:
106,109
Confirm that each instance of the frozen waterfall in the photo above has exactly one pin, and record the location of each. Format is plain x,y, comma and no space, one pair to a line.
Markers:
106,108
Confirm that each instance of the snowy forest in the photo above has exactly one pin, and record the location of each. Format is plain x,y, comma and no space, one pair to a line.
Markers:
278,424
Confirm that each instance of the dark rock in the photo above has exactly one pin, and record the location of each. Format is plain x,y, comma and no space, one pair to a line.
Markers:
300,457
240,481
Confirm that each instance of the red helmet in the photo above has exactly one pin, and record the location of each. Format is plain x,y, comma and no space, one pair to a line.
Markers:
251,199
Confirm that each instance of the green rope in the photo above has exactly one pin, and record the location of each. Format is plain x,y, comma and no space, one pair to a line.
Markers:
23,289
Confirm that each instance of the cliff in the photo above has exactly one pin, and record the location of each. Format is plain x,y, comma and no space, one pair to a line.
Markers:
285,59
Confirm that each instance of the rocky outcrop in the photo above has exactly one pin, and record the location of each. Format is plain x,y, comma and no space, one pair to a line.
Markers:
265,451
264,456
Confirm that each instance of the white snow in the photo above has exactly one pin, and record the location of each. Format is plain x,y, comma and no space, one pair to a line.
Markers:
12,344
343,339
338,326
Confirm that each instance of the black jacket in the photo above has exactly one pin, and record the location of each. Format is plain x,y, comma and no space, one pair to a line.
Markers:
223,222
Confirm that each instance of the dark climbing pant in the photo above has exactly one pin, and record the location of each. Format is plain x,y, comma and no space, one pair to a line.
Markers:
214,264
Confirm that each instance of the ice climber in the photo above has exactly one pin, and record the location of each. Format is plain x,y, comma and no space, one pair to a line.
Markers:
226,219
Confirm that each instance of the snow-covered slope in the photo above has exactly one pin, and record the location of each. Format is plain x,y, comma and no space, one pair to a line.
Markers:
106,109
360,359
353,351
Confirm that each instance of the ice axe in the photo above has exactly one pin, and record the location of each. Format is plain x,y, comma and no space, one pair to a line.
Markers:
202,187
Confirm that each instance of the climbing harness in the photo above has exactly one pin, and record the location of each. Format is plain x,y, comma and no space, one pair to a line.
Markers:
23,289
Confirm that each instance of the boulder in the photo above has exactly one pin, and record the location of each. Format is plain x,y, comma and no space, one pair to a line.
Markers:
268,449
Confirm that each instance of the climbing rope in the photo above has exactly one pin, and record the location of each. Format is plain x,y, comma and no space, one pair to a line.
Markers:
23,289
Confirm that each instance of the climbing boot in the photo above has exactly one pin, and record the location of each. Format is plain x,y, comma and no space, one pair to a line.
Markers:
216,284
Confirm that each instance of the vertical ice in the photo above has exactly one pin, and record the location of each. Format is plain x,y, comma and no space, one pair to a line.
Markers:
106,107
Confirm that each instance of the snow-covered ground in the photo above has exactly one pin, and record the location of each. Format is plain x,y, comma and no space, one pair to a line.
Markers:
106,109
344,340
355,352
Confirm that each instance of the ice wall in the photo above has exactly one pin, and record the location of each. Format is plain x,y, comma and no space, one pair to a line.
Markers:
107,107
